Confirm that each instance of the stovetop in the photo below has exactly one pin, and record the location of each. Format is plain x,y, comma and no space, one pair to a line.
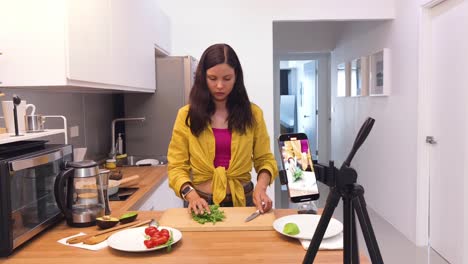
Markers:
123,194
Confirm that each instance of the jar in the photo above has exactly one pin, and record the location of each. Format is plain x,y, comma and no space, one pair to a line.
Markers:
111,164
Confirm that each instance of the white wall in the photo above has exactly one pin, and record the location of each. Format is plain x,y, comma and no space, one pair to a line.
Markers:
247,27
386,163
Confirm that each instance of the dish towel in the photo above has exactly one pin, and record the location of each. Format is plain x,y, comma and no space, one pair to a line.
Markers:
331,243
99,246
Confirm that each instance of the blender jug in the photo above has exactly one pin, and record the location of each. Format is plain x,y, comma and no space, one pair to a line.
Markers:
79,193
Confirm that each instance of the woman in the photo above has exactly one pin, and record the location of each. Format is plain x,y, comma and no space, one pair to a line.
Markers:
217,138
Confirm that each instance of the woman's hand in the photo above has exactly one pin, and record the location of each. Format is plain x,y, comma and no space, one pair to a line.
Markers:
260,197
197,204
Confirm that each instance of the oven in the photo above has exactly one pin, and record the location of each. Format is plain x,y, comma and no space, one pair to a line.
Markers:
27,201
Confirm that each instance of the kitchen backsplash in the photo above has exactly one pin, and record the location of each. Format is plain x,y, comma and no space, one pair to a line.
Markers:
91,112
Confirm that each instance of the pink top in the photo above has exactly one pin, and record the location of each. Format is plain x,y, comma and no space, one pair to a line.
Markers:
304,146
223,147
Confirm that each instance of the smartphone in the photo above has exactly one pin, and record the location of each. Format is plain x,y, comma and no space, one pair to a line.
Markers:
297,162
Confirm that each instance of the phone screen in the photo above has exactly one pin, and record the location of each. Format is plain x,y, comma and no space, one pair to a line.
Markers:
297,162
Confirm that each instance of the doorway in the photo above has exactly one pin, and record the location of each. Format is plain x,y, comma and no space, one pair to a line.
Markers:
444,121
298,100
302,99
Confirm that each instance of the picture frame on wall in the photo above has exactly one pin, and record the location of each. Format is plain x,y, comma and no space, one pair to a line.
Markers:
355,77
379,81
359,80
343,79
365,76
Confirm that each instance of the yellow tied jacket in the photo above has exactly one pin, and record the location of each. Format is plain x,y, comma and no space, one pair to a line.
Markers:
188,154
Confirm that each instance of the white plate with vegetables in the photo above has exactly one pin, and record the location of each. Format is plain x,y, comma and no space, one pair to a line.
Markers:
306,223
133,240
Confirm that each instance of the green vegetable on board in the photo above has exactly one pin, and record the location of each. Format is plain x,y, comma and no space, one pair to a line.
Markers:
297,175
215,216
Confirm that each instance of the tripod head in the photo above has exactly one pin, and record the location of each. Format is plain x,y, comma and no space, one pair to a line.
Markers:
360,138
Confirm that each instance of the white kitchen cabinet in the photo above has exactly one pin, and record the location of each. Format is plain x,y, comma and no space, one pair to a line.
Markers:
133,38
161,199
163,31
88,41
107,44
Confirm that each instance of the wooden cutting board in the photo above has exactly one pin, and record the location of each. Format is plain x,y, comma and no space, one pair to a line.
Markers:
234,220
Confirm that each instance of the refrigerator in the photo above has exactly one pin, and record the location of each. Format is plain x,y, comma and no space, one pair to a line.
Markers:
174,79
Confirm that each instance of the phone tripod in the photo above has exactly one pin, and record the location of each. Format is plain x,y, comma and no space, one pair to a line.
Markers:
343,185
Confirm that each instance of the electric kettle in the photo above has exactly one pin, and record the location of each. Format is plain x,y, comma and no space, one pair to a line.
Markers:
79,191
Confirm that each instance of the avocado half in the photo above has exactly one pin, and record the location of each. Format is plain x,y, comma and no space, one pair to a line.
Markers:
106,222
128,217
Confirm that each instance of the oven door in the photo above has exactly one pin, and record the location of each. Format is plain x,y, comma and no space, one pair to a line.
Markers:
33,204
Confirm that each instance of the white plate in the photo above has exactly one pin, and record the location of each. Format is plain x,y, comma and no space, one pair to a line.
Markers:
132,240
152,162
307,224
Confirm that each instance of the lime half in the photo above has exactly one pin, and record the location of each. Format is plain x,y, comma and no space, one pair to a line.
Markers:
291,229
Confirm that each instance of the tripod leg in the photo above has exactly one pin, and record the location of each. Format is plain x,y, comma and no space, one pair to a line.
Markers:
355,246
350,245
347,230
332,201
366,226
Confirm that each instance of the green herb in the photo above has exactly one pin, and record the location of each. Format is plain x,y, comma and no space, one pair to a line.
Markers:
297,175
169,242
215,216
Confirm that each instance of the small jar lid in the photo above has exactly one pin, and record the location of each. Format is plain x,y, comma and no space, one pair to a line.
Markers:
110,160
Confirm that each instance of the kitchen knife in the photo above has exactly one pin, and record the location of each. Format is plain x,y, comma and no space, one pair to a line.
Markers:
253,216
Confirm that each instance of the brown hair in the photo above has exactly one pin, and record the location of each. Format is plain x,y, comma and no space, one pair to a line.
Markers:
202,106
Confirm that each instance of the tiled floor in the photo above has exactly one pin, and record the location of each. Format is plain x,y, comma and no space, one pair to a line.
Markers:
394,246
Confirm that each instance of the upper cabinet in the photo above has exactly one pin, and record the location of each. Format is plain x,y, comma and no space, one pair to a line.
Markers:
106,44
163,32
88,42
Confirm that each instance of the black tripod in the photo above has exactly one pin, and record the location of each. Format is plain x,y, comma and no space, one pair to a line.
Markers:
342,184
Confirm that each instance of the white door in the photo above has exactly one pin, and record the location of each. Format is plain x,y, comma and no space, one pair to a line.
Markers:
308,99
448,93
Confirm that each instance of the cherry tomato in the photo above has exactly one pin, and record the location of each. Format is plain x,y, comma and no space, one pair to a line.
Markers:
149,243
153,233
150,229
158,235
164,232
159,240
154,240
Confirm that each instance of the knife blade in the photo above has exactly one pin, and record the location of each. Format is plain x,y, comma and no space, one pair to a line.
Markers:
253,216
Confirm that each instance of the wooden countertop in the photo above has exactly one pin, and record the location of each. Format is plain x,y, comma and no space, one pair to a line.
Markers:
150,179
195,247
